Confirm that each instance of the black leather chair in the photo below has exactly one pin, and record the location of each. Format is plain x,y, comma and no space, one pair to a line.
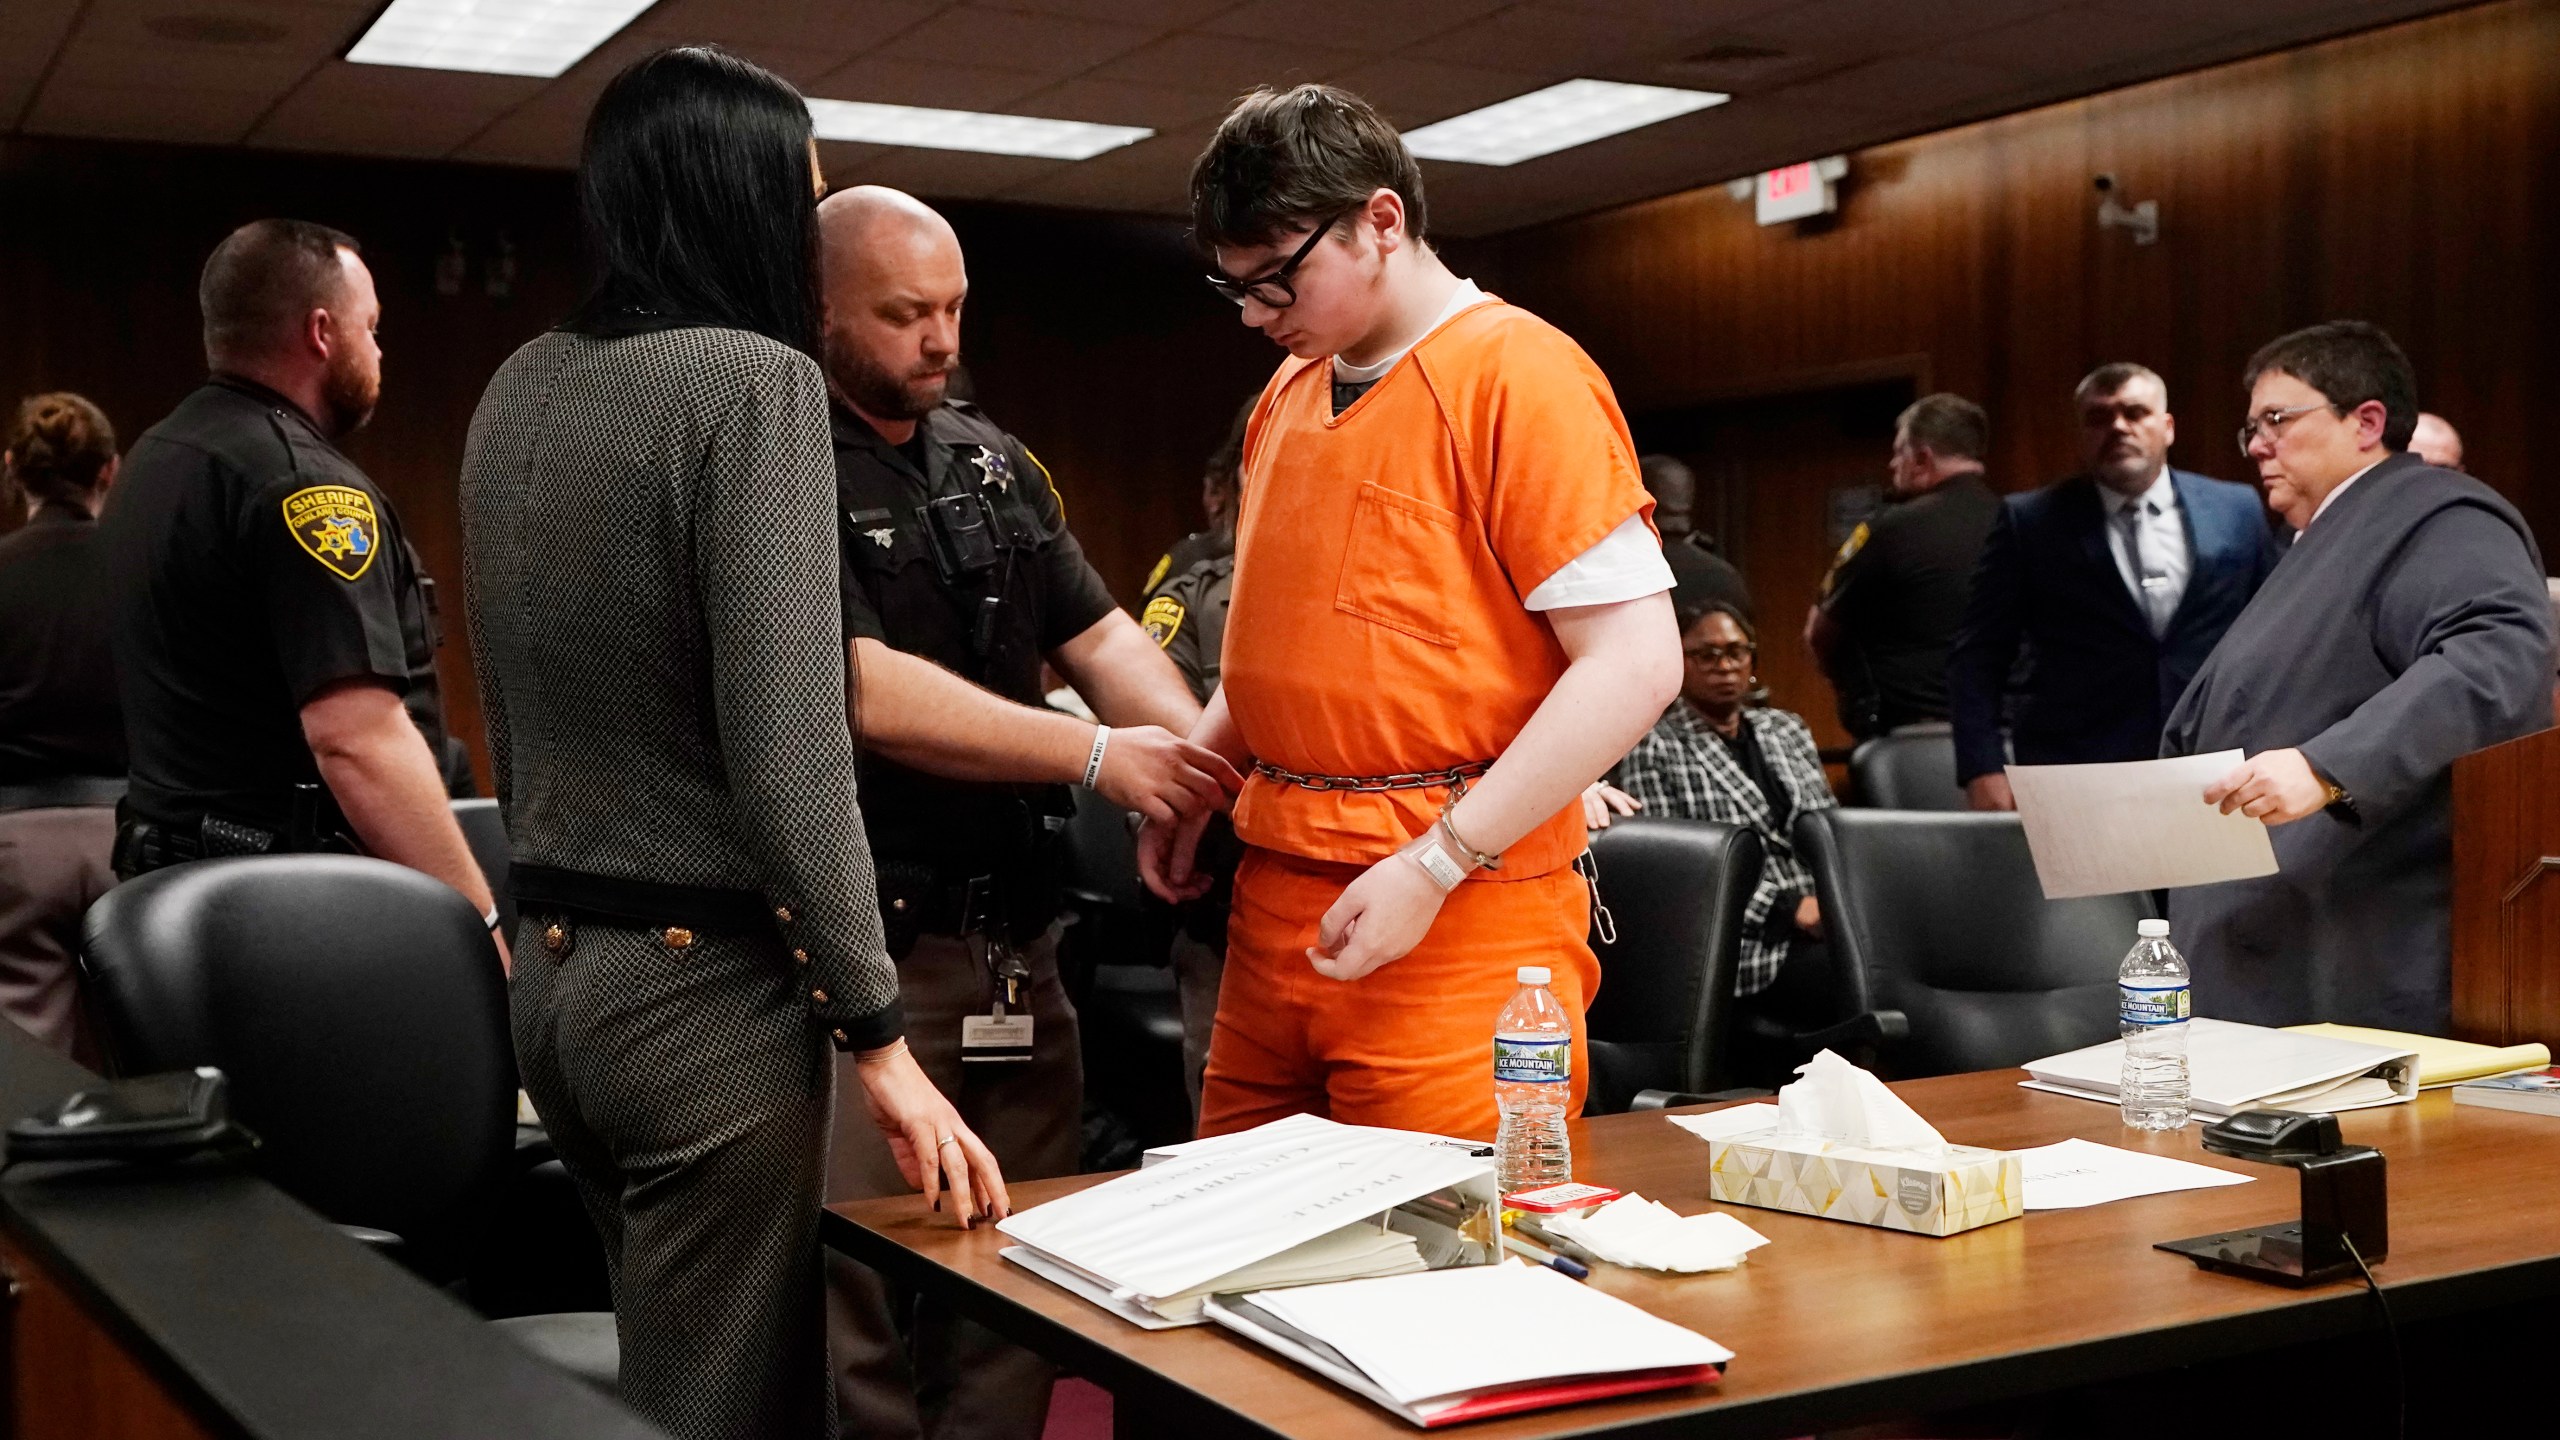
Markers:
485,831
359,1011
1914,768
1675,891
1940,918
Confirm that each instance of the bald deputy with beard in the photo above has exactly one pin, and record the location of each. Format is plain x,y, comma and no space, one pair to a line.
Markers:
960,579
274,645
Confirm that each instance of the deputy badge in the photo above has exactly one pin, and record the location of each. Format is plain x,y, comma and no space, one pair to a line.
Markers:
335,525
997,467
882,537
1163,619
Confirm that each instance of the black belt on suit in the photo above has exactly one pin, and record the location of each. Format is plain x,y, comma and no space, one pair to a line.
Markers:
636,904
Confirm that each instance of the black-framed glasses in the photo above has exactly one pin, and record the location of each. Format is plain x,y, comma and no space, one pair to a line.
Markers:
2271,424
1273,288
1716,657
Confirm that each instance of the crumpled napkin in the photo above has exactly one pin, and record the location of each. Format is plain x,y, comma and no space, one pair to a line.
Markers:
1649,1235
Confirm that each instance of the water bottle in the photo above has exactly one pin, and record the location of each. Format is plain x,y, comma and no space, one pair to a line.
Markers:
1532,1085
2151,1013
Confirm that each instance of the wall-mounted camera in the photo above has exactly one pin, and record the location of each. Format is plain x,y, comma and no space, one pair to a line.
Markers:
2142,220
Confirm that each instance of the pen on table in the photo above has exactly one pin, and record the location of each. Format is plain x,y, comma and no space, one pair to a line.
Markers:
1561,1264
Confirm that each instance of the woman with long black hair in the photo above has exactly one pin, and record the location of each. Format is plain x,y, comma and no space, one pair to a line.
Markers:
648,508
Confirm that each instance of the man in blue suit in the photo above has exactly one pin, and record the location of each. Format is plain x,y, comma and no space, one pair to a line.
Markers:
2115,584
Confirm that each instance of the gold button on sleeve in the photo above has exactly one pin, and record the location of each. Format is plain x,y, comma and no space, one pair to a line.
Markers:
818,995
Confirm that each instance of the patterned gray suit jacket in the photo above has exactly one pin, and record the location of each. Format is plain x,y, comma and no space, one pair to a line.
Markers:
649,527
1682,770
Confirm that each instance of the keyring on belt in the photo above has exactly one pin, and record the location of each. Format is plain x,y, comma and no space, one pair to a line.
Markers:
1455,777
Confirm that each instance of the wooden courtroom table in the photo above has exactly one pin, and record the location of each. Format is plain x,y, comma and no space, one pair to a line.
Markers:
1833,1323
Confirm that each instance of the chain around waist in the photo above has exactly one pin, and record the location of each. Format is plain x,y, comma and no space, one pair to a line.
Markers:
1456,777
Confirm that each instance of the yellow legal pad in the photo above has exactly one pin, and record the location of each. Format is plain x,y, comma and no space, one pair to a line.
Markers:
2441,1062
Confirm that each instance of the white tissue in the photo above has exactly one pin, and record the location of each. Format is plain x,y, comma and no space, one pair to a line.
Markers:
1649,1235
1838,1102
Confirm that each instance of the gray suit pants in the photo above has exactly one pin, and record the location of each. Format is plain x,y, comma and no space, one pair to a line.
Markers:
53,862
906,1367
688,1096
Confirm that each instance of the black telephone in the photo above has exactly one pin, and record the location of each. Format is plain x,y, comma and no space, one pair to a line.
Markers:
2346,1221
149,1117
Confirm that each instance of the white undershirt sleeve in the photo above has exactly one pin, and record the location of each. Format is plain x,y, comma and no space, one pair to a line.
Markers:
1626,564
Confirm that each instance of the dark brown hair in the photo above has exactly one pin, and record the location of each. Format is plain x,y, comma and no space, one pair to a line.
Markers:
264,276
59,448
2350,362
1284,158
1950,425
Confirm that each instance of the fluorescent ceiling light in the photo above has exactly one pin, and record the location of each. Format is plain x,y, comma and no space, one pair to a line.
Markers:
872,124
493,37
1559,117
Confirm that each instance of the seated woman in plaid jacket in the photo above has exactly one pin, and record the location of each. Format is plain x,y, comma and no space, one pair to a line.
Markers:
1710,758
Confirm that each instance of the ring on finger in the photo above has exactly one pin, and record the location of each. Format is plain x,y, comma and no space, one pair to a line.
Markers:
946,1140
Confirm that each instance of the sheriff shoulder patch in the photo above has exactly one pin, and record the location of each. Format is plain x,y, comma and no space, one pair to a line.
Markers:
1163,619
335,525
1155,577
1849,549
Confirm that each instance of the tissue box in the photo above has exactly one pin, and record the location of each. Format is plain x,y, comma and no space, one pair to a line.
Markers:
1927,1192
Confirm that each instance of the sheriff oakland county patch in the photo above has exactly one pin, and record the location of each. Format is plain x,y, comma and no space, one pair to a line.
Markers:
335,525
1163,619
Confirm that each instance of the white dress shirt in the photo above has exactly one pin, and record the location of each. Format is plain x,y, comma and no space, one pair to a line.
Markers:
2167,558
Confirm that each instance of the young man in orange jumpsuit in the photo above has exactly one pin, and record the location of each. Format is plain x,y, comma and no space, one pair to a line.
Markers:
1445,587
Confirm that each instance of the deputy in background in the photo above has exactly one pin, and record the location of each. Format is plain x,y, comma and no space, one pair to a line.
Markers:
2407,628
1221,486
1700,577
960,578
270,627
1896,592
61,733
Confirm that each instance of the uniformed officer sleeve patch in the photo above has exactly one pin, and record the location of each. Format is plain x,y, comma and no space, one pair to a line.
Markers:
1155,577
1849,549
335,525
1163,619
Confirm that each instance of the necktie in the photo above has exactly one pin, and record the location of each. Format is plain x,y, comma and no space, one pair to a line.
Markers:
2150,592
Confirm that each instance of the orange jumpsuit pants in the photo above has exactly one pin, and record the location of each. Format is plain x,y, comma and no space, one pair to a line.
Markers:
1408,1045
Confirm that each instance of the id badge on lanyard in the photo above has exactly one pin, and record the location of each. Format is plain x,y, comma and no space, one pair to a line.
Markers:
1003,1035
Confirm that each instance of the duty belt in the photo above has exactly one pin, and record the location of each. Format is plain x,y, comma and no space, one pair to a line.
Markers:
62,792
1455,777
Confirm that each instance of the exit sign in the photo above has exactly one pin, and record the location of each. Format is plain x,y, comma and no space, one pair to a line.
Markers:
1795,192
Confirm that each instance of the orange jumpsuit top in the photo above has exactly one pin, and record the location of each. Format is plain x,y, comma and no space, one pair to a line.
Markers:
1377,623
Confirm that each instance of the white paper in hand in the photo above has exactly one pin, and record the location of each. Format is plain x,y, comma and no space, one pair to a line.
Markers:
2137,825
1839,1102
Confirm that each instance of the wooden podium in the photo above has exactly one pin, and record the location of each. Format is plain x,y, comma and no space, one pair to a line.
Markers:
2506,893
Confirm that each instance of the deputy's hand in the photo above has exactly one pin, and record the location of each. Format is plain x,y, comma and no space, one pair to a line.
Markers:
1166,854
1990,792
1600,798
934,1148
506,954
2276,787
1379,919
1162,776
1809,916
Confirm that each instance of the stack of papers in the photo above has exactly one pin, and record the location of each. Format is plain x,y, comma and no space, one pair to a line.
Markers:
1648,1235
2441,1062
2233,1067
1467,1344
2077,1173
1299,1201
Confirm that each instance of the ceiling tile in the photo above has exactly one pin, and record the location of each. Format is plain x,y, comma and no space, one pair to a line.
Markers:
1416,92
110,112
1561,43
389,110
884,81
1374,25
1227,64
849,26
1117,102
1159,14
1904,85
949,174
1879,27
181,67
1152,176
1012,40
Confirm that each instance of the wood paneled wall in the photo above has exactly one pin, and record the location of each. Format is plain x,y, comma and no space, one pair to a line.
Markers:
2409,176
1088,335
